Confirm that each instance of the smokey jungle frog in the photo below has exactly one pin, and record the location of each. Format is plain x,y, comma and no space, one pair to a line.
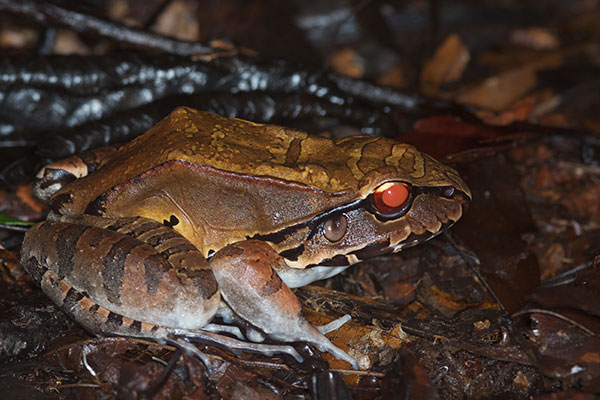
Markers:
204,215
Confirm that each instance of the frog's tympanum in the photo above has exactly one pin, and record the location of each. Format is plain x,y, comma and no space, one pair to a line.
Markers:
206,215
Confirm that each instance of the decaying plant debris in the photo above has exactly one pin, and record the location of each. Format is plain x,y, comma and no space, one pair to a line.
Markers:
506,305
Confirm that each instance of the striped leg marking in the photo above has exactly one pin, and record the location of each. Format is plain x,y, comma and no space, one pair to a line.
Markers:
132,266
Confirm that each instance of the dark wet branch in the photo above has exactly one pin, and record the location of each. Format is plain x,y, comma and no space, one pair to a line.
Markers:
45,93
261,107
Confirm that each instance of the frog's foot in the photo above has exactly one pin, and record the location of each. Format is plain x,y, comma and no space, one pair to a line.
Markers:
265,300
229,317
229,343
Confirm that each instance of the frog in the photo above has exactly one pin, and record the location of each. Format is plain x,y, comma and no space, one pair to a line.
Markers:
205,216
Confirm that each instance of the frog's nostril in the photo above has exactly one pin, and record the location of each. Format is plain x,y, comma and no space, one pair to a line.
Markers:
448,192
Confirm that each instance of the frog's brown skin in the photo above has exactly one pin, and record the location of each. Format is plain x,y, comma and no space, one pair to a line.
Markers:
235,201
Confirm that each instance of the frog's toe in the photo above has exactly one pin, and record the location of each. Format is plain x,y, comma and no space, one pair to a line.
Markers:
339,354
229,317
191,350
310,334
217,328
334,325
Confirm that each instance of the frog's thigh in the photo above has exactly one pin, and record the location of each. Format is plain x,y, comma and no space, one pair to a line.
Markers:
134,267
252,288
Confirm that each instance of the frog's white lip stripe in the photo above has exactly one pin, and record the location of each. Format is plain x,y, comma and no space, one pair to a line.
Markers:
413,242
298,277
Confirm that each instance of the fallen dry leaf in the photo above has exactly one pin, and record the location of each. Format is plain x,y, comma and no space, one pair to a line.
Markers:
347,62
447,64
535,37
499,92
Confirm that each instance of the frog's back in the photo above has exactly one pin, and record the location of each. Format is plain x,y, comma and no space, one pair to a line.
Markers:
247,148
233,145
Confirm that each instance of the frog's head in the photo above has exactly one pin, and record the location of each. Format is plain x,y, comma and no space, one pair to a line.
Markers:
409,200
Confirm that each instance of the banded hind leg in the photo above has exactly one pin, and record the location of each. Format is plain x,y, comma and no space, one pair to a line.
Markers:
81,308
134,267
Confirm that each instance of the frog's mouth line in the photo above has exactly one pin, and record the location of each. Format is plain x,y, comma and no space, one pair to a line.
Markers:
384,247
379,248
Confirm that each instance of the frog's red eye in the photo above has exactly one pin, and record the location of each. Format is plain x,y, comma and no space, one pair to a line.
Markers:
390,197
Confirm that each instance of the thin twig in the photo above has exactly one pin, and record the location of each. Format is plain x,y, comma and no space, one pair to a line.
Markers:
50,14
556,315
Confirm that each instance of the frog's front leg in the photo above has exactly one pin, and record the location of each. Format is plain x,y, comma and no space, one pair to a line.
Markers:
52,177
251,287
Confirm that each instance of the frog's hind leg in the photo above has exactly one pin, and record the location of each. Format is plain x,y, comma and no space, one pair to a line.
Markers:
254,291
52,177
103,322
